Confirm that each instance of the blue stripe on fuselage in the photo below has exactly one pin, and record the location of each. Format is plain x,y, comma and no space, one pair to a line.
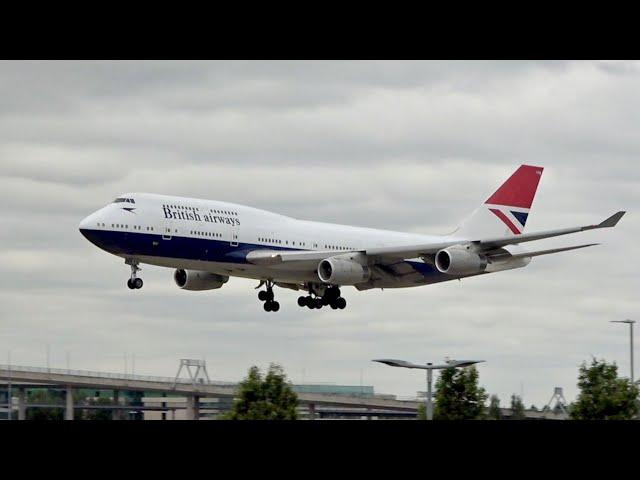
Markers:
189,248
204,249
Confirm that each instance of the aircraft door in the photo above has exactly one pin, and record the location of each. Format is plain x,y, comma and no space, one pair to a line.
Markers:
234,236
167,229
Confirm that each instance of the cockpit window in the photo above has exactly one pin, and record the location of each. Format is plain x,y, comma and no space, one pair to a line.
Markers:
121,199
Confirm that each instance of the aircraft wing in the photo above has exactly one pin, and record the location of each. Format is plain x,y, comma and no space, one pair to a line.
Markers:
487,243
385,254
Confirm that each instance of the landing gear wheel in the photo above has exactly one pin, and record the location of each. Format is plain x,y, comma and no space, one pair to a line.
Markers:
318,302
265,295
333,305
302,301
341,303
133,282
271,306
332,294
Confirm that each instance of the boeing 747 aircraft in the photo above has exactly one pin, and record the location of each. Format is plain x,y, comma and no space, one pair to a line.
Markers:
208,241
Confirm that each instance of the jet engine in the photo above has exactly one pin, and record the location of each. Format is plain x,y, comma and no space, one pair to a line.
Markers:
198,280
459,260
341,271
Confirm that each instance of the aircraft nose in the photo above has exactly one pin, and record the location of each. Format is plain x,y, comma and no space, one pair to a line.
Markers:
83,223
88,223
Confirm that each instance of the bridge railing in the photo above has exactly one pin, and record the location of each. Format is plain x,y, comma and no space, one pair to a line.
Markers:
117,376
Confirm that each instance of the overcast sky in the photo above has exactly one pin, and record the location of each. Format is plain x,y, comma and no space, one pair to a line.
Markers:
410,146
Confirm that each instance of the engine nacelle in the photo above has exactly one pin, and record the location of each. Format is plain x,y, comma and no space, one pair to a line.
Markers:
342,271
198,280
459,260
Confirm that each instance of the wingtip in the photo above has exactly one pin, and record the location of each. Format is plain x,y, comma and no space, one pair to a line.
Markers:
613,220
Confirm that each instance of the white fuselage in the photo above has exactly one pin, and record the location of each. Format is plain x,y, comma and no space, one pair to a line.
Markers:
214,236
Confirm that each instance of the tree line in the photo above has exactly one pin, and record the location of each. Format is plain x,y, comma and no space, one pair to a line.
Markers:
603,395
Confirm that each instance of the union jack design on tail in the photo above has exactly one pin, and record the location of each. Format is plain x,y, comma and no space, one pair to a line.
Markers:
508,207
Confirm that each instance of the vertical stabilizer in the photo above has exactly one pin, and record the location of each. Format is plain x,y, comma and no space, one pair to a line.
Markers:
505,212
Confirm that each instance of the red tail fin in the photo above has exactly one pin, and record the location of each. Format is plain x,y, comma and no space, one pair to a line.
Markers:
519,189
505,212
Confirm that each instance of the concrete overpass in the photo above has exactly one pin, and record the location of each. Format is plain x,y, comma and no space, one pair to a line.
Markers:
193,391
317,403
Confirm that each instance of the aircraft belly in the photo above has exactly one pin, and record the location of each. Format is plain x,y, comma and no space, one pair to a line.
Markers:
279,273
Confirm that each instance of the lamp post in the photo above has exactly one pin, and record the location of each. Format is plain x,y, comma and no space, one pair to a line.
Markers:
9,393
630,322
429,367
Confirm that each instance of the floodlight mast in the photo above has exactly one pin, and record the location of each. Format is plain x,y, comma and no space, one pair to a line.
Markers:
429,400
429,367
630,323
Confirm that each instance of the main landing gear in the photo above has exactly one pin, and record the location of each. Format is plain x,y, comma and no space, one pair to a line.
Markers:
330,298
266,296
134,282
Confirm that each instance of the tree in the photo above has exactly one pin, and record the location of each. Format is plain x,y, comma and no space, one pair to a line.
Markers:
517,408
99,414
422,411
604,396
494,412
458,396
271,398
44,397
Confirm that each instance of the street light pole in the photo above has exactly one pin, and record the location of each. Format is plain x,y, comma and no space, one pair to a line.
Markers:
429,367
10,393
630,323
631,348
429,406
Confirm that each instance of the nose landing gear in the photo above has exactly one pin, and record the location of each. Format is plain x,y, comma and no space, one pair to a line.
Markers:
134,282
266,296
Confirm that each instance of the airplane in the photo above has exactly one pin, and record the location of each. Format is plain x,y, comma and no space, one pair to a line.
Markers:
208,241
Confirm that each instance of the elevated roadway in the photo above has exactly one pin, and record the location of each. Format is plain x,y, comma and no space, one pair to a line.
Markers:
70,379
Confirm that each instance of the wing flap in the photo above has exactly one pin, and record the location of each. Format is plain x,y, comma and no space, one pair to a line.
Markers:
508,256
274,257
